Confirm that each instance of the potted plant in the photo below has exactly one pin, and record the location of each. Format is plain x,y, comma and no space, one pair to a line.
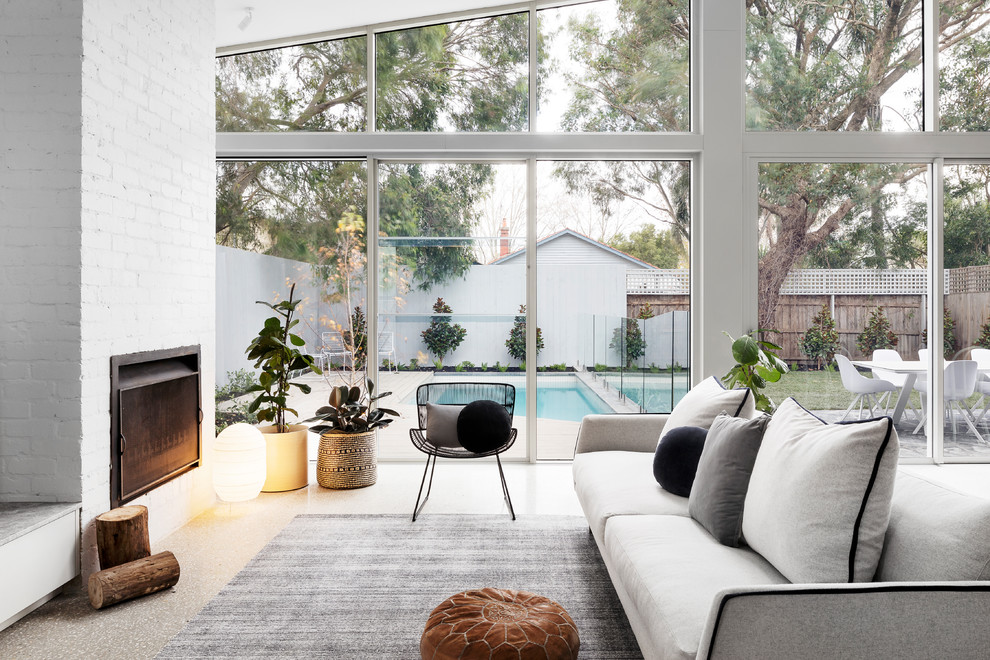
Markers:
276,354
757,365
348,454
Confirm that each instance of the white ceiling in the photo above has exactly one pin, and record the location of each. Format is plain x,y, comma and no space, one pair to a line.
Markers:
275,19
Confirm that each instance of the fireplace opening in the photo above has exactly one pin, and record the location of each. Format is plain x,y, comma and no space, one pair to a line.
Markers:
155,419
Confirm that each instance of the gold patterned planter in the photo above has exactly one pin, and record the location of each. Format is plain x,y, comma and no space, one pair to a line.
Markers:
347,460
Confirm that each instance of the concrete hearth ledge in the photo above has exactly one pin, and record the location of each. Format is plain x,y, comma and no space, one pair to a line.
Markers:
20,518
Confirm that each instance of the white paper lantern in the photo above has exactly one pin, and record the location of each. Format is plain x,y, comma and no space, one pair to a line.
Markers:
239,463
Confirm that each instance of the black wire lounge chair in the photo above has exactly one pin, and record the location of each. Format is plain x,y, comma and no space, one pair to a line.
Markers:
459,394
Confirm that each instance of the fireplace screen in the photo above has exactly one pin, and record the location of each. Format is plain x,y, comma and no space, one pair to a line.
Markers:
156,419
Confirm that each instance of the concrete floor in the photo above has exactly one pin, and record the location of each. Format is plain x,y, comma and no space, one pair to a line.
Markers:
213,547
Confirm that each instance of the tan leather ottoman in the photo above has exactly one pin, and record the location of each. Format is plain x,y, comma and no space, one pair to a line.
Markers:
499,623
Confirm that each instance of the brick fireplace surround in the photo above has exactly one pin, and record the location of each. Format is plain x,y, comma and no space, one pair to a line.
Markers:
106,235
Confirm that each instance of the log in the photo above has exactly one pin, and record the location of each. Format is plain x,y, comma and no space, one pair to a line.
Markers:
122,535
136,578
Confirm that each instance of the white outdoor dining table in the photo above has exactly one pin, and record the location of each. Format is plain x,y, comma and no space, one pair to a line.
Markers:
910,368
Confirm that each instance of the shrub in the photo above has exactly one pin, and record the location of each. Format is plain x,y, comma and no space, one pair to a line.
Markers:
238,383
983,341
948,335
442,337
357,343
516,343
821,341
628,339
876,334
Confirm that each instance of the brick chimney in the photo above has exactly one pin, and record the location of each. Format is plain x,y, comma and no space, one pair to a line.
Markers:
503,239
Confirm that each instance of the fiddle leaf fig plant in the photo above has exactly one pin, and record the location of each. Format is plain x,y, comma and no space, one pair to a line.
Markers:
276,353
756,365
349,410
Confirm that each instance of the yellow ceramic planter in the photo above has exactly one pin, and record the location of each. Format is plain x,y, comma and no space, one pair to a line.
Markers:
288,459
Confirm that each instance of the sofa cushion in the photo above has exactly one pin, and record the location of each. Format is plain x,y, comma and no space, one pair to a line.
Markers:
610,483
819,498
935,533
676,458
705,401
670,569
723,474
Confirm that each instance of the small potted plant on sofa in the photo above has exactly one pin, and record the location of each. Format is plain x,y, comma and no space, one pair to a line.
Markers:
275,353
348,454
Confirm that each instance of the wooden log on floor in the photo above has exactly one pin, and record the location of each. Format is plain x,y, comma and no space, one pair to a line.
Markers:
122,535
137,578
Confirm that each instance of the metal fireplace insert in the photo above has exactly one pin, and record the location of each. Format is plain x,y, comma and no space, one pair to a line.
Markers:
156,419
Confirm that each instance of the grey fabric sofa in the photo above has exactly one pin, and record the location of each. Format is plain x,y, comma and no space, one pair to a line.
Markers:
687,596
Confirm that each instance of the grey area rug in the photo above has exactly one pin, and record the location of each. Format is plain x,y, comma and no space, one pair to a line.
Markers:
337,586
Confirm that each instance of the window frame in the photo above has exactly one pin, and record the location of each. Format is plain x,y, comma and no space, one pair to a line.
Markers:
723,154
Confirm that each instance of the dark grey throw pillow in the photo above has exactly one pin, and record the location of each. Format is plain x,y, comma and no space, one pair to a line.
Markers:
722,479
441,424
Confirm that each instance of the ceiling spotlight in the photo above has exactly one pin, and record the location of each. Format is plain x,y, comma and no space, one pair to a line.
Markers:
246,21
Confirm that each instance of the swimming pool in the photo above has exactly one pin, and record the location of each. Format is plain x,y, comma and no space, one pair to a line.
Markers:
565,398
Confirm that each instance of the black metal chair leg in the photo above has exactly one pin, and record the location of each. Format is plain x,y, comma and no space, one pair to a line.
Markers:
419,507
505,487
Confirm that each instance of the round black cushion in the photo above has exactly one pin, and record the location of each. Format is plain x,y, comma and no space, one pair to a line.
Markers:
676,460
483,426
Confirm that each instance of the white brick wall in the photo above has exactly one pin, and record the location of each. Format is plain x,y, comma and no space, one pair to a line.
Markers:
147,218
106,233
40,46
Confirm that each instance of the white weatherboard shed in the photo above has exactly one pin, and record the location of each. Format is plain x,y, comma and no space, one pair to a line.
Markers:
569,247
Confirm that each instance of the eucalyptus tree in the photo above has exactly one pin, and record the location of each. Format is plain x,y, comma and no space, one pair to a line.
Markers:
842,65
468,75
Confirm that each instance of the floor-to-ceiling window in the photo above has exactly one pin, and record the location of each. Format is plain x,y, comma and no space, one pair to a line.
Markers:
526,142
858,248
447,288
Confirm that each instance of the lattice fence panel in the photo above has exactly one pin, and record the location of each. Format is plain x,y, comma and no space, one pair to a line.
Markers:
816,282
661,281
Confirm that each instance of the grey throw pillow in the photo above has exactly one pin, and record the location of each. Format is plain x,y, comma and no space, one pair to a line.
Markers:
441,424
818,502
723,474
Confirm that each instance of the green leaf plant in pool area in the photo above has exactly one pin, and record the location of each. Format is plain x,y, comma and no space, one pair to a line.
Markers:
757,365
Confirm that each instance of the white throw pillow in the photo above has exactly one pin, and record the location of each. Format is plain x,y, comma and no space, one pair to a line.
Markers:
818,502
703,403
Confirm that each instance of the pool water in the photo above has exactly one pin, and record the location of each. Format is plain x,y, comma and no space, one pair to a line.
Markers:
568,401
654,393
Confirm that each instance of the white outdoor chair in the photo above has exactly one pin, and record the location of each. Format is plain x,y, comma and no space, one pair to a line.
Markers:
896,379
958,384
982,357
865,389
334,347
386,348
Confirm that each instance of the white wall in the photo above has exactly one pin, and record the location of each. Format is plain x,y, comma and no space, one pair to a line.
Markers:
39,250
243,278
147,221
107,202
578,307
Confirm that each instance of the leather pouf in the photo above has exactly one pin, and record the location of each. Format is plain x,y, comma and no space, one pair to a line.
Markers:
499,623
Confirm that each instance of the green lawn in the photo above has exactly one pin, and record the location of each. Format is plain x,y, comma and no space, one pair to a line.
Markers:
816,390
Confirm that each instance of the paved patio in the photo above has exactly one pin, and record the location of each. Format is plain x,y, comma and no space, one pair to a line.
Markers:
557,437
